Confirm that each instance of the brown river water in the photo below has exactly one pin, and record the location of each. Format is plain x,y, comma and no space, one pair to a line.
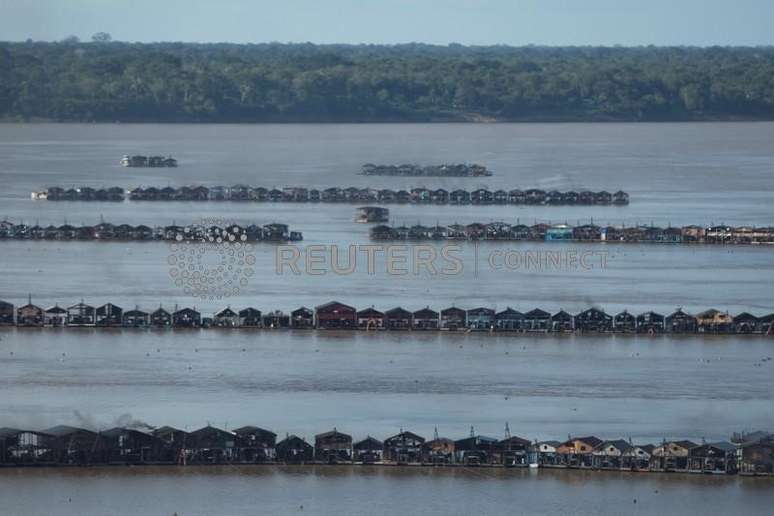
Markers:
304,383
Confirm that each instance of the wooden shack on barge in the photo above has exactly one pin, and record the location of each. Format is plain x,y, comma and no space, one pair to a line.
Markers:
650,323
7,314
210,445
397,319
25,447
625,322
136,318
370,319
453,318
509,320
109,315
671,456
577,452
717,458
476,450
186,318
333,447
81,314
562,322
404,448
425,319
75,446
680,322
368,451
256,444
335,316
30,315
302,319
294,450
131,446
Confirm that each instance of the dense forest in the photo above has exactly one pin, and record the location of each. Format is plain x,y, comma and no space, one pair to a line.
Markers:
115,81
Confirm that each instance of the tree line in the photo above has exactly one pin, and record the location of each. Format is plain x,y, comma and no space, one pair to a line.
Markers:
188,82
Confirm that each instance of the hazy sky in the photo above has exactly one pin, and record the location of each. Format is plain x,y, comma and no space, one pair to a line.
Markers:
513,22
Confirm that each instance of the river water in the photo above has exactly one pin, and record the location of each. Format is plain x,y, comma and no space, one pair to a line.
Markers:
346,491
545,387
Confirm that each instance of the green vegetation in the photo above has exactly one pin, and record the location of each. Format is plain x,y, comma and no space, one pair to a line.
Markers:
113,81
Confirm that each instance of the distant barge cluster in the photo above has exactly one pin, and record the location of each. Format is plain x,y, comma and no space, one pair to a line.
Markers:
339,316
148,161
440,196
446,170
745,454
105,231
542,232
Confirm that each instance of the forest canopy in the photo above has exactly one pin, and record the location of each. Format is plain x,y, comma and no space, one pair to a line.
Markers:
110,81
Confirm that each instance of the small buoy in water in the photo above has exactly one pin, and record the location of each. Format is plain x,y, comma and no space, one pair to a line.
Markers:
635,500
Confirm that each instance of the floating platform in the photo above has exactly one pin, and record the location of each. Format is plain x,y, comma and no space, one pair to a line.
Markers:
148,161
407,170
127,233
372,214
294,194
586,233
64,445
335,315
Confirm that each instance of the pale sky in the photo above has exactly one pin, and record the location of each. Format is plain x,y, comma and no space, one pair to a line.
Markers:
477,22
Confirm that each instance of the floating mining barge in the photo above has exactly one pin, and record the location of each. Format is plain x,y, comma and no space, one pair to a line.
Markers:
148,161
446,170
744,454
339,316
542,232
125,233
439,196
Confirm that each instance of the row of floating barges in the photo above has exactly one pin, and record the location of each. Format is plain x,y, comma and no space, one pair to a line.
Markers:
542,232
339,316
481,196
148,161
445,170
745,454
105,231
